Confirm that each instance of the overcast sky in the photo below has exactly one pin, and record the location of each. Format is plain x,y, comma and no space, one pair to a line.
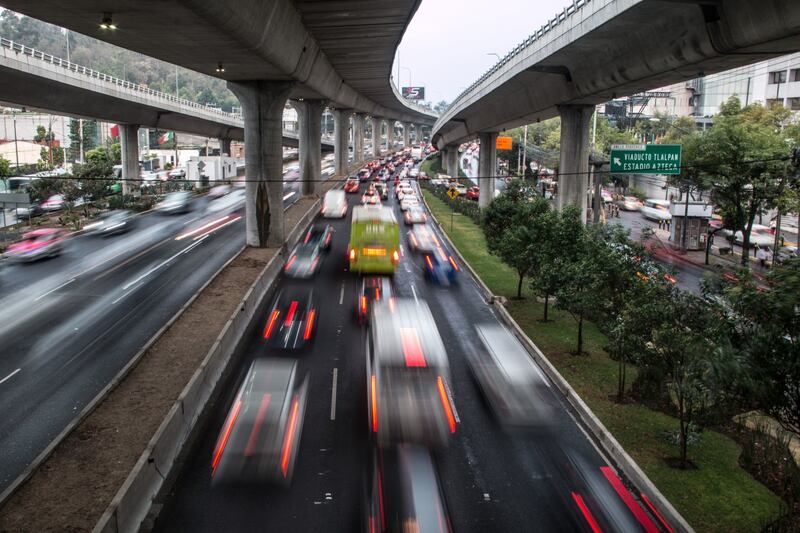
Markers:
447,42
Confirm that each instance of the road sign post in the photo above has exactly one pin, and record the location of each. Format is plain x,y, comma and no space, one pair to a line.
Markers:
646,159
452,192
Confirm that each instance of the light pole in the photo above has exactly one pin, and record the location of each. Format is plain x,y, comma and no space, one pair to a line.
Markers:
409,75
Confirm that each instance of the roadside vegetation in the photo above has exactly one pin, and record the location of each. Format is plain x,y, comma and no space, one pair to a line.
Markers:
665,371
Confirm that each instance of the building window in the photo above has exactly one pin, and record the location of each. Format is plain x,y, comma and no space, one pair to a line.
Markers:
794,104
778,76
774,101
794,74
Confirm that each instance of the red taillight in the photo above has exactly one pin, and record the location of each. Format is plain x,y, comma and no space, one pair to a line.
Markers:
377,294
271,323
428,261
289,437
314,264
374,397
262,411
396,257
352,255
363,305
290,314
308,236
448,410
289,264
327,240
452,262
309,324
413,239
226,433
412,349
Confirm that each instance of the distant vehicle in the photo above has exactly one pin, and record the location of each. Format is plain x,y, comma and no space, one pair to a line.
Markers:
219,190
408,202
415,215
291,320
422,238
654,209
37,244
230,202
460,187
374,240
514,387
175,203
34,209
407,376
373,289
260,438
177,173
149,179
307,256
413,173
440,267
760,235
404,493
55,202
473,193
111,223
334,204
629,203
351,185
383,191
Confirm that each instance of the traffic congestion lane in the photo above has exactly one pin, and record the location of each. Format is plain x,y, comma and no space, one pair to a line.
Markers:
492,480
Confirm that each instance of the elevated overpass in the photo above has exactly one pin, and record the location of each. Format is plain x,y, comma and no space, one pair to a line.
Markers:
597,50
315,52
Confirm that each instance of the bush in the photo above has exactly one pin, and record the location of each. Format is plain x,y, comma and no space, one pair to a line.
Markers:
460,205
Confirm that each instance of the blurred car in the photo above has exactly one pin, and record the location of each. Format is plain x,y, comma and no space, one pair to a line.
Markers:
177,173
654,209
230,202
291,319
111,223
440,267
785,253
407,375
759,235
404,493
370,196
55,202
260,437
219,190
460,187
383,191
415,215
175,203
422,239
373,289
514,387
473,193
34,209
351,185
423,176
629,203
37,244
408,202
307,256
334,205
321,235
413,173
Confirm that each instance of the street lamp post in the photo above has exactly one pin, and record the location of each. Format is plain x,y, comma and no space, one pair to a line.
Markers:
409,75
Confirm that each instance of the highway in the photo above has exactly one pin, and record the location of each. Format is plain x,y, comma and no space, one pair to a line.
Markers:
70,323
492,480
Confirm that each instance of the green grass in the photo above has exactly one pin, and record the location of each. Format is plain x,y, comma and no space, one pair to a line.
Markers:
716,497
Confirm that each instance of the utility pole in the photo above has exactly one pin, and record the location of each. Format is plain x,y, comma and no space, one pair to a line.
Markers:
597,196
524,150
16,147
80,137
685,220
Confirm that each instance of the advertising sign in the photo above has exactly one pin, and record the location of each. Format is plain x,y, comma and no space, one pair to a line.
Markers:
503,143
414,93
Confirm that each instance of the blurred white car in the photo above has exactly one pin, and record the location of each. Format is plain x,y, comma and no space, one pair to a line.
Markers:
408,202
230,202
759,235
656,210
335,204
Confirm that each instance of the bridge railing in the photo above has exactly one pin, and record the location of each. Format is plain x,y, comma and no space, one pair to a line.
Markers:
79,69
565,15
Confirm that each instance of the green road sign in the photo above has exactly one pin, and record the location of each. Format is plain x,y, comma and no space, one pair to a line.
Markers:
646,159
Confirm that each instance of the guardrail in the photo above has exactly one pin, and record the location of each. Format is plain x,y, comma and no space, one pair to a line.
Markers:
91,73
565,14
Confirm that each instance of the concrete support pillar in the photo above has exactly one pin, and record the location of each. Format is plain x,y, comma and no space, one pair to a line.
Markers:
377,137
129,143
390,138
574,165
309,118
225,146
358,137
450,160
487,167
341,140
262,105
406,134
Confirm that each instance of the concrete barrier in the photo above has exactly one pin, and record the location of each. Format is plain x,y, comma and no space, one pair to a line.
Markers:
133,500
614,452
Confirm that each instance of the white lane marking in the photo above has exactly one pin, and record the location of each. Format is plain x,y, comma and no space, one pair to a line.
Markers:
402,251
341,294
287,196
140,278
53,290
452,403
414,292
11,375
333,393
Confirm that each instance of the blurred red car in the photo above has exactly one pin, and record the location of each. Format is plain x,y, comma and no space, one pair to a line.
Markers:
37,244
473,193
351,185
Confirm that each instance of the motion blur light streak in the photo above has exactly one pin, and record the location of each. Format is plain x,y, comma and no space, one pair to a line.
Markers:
412,350
253,439
452,262
309,325
226,435
201,228
271,323
374,396
586,512
446,404
290,314
655,512
212,230
623,493
289,264
289,438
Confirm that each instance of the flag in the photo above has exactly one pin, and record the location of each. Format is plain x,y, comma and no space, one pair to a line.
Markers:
166,137
114,131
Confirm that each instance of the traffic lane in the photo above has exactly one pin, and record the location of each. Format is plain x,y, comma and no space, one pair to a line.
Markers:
326,487
90,338
499,480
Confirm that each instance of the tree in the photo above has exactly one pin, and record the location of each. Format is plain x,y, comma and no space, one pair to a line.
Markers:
576,293
5,167
81,131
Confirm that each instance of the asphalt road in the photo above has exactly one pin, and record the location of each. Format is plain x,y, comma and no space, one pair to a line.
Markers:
69,324
492,480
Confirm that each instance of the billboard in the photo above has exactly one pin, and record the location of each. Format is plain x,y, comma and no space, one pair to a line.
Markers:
503,143
414,93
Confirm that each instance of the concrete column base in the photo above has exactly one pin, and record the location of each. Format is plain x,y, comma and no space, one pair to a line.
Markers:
358,137
450,160
262,105
406,134
377,137
225,147
487,167
341,140
309,116
129,142
573,170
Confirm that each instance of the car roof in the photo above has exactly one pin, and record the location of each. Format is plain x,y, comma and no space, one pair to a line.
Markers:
40,232
363,213
405,334
507,352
